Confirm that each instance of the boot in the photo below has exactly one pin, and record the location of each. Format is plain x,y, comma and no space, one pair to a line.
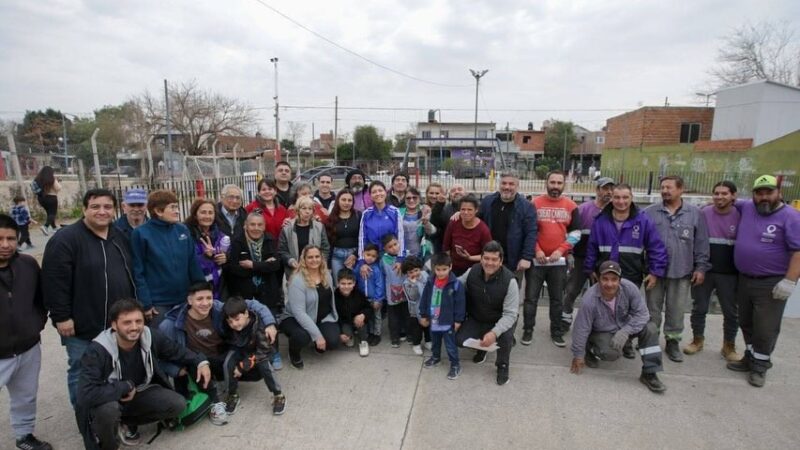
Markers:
696,346
729,351
673,351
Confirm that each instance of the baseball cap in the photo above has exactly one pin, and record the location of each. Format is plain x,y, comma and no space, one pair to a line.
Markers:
604,181
135,196
610,266
765,182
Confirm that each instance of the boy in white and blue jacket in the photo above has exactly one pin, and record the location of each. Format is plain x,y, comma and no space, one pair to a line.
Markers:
395,299
413,285
372,286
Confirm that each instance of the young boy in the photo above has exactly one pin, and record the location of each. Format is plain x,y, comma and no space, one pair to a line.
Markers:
413,286
251,350
373,290
22,216
395,299
354,312
443,308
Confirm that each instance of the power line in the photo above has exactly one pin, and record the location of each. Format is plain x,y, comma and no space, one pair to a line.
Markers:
354,53
401,108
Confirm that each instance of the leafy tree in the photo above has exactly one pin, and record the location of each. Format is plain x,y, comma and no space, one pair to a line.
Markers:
288,145
345,152
555,137
370,145
43,127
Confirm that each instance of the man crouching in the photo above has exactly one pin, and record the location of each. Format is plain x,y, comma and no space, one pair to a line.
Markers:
121,382
612,311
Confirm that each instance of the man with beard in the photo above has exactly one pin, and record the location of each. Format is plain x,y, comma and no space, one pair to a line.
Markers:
683,229
355,181
397,194
576,278
283,181
134,211
722,219
512,221
558,225
767,254
231,215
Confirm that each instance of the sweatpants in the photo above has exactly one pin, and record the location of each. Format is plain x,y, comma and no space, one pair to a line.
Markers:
262,369
398,320
760,317
471,328
725,286
376,321
299,337
599,344
670,296
150,405
20,375
449,338
535,277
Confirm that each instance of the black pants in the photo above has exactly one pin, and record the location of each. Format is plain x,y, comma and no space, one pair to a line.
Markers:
352,331
50,205
760,317
416,332
150,405
398,320
299,337
535,277
725,286
576,279
647,342
471,328
24,235
261,370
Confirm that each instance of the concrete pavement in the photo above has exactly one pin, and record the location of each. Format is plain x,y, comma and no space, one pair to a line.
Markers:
389,401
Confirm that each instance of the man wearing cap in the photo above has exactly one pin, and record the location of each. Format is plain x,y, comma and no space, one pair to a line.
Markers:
587,212
767,254
134,211
683,229
230,213
613,311
355,181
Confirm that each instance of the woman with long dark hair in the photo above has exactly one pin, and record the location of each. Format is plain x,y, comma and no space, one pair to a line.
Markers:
270,207
210,244
342,228
379,220
46,188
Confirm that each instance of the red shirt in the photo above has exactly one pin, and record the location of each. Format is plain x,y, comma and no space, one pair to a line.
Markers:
555,218
272,221
472,240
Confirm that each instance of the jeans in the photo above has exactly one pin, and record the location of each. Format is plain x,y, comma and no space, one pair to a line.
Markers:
75,348
725,285
556,277
760,317
338,256
599,344
471,328
576,279
398,320
20,374
350,330
299,337
449,338
669,295
262,369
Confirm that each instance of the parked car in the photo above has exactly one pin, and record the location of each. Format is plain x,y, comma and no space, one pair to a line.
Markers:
471,172
127,171
338,173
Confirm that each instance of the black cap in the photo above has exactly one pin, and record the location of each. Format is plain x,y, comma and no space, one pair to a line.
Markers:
610,266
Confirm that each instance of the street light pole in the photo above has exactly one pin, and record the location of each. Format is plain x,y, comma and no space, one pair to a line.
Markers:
64,126
477,74
706,95
274,61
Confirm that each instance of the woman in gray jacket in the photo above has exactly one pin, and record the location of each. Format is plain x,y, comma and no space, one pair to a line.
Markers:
299,233
310,307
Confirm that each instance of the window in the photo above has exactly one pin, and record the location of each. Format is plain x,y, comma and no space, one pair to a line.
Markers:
526,139
426,134
600,140
690,132
444,134
482,134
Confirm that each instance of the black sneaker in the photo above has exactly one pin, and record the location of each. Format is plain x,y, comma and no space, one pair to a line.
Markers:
29,442
673,351
396,343
527,337
278,404
297,363
454,372
129,435
431,362
565,325
591,360
652,382
373,340
628,351
757,379
743,365
559,341
502,374
232,403
480,357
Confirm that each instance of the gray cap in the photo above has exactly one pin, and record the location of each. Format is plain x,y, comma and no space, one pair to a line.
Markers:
604,181
610,266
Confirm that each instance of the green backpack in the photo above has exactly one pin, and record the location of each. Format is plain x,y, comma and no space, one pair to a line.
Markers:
198,404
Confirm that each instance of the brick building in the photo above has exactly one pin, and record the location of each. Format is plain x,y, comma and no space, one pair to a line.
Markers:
659,125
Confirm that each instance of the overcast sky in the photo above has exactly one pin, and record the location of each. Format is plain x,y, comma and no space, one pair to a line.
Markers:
583,61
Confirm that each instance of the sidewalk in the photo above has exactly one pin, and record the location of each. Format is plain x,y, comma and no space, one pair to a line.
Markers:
389,401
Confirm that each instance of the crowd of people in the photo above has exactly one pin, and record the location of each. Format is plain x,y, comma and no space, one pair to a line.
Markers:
150,309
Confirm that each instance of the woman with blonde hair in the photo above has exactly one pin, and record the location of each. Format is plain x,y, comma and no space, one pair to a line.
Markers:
310,308
300,232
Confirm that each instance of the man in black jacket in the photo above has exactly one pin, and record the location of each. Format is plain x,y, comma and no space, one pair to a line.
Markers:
230,214
22,317
85,269
121,381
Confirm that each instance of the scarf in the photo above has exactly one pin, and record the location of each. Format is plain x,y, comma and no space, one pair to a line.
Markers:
255,254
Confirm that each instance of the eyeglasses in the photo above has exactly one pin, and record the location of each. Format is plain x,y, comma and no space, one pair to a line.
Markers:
233,197
411,197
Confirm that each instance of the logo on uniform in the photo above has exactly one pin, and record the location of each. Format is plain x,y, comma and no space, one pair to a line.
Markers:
635,232
685,233
771,228
769,235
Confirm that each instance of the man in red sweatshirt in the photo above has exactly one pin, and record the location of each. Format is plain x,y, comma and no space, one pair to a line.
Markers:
559,230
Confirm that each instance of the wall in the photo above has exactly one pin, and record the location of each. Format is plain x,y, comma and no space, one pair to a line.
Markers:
763,111
653,126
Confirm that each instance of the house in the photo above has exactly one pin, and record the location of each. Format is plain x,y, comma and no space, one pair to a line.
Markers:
761,110
659,125
437,142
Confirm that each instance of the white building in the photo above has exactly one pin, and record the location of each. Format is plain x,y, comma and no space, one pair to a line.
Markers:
760,110
437,142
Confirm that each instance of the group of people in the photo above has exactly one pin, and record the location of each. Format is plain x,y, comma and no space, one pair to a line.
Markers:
150,308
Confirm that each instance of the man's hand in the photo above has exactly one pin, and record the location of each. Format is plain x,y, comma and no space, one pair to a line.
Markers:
455,217
577,366
204,374
555,256
293,264
650,281
698,278
541,258
523,265
488,339
344,338
129,396
246,264
783,290
321,344
456,326
424,322
271,333
66,328
358,320
619,340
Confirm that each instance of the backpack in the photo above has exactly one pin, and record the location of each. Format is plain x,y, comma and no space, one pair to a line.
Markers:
35,188
198,404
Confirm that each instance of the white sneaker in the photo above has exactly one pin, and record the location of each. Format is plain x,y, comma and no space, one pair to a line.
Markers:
363,348
429,345
218,415
417,349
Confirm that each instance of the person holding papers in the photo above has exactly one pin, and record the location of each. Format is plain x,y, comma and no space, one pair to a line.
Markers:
492,304
559,229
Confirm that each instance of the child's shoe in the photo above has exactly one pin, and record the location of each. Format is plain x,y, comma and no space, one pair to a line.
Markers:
278,404
431,362
454,372
417,349
363,349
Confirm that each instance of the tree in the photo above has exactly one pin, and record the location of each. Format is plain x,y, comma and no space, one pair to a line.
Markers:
762,51
197,115
554,140
344,152
43,128
287,145
370,145
296,130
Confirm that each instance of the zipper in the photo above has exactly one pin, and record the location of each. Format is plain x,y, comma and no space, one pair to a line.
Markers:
105,276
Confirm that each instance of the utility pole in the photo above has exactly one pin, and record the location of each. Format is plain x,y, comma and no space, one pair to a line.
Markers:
64,127
477,74
564,157
311,147
336,131
169,134
277,156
